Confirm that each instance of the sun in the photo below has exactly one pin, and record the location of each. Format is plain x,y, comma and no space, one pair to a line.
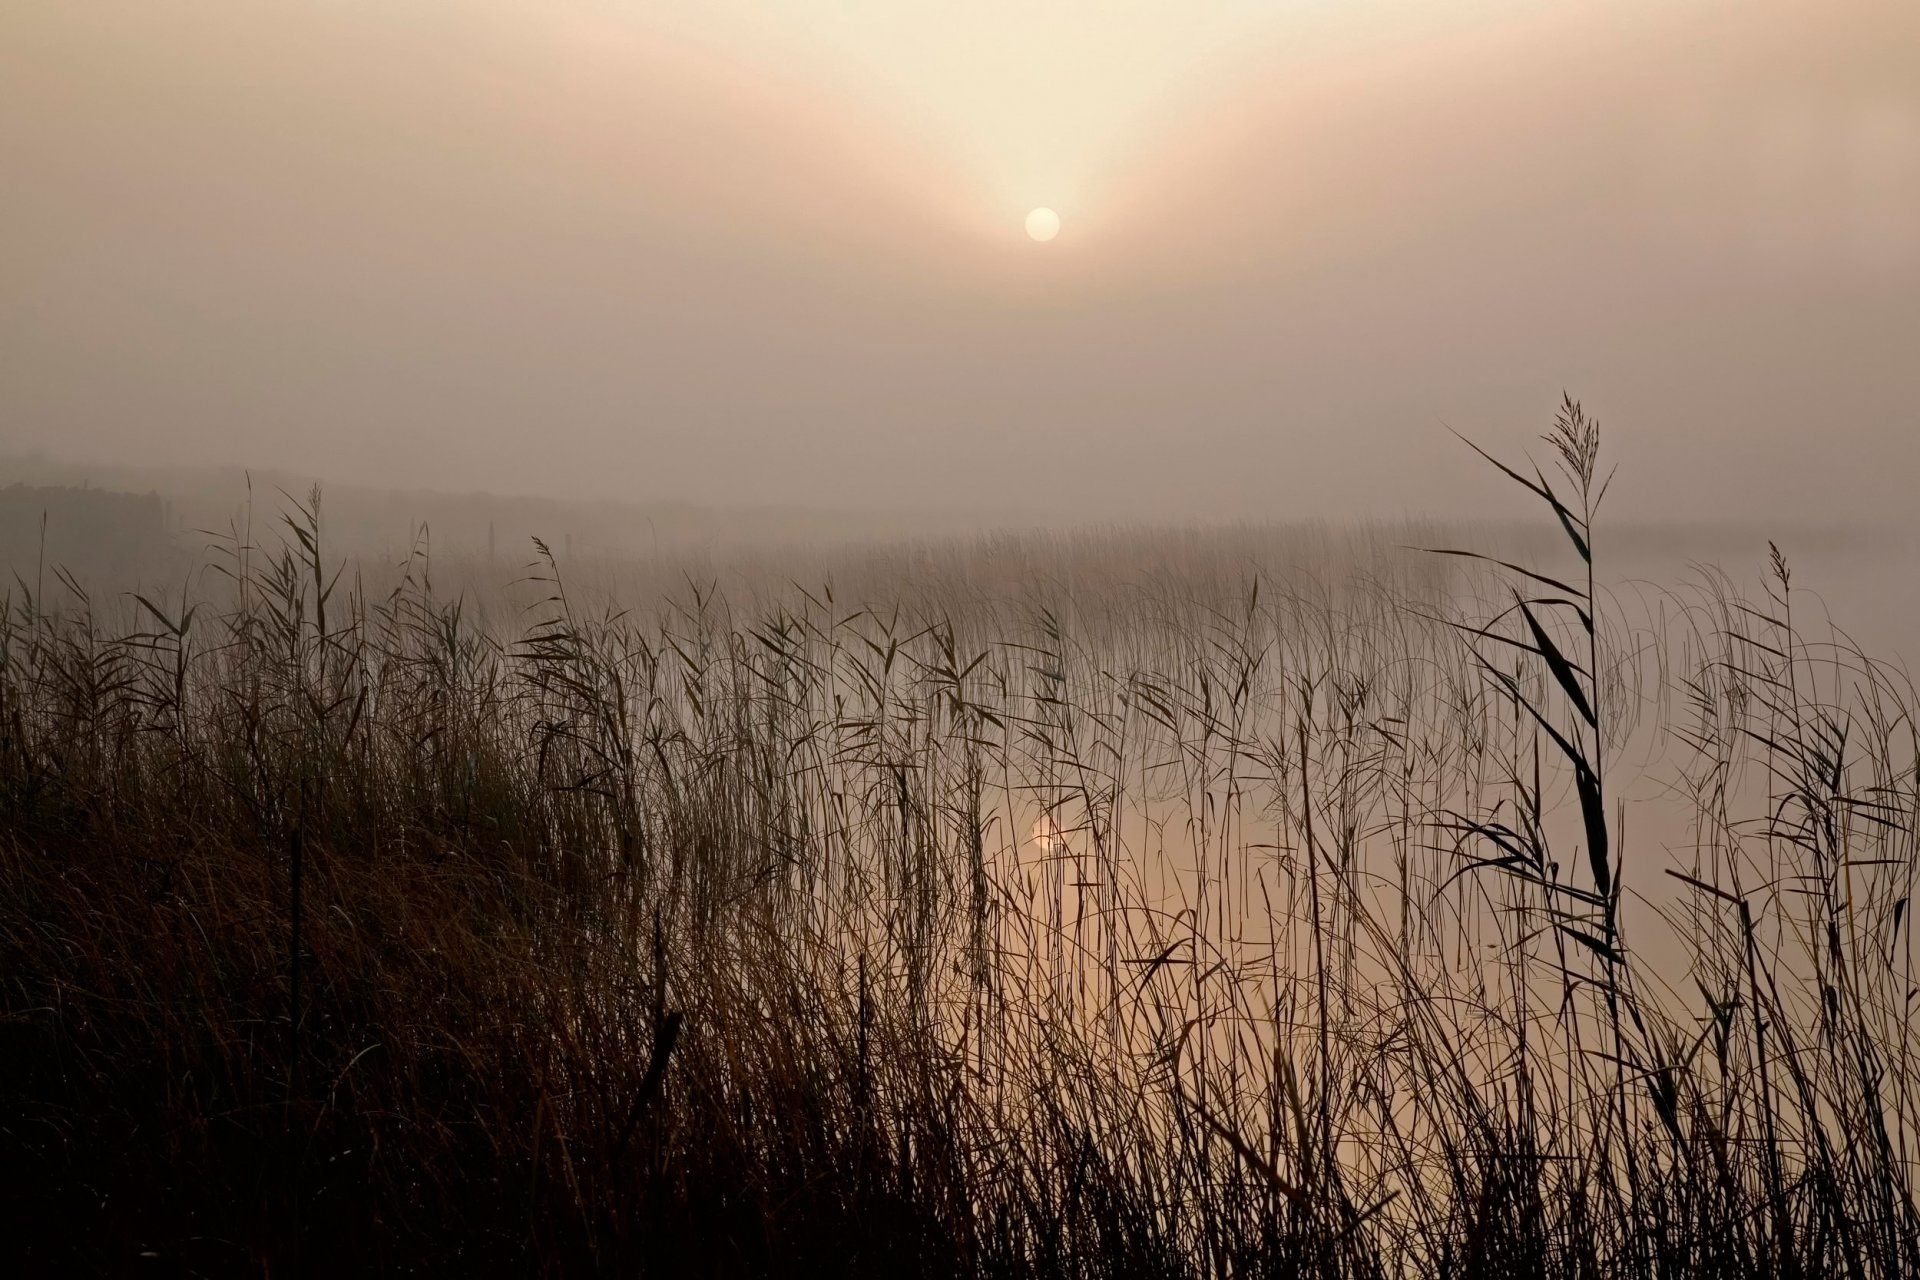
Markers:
1043,224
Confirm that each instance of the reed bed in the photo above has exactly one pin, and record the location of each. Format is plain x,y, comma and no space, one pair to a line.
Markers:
972,918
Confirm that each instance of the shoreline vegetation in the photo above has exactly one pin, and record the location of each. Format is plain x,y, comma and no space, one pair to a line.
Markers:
1178,922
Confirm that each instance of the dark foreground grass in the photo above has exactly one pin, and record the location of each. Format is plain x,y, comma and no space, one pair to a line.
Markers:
340,935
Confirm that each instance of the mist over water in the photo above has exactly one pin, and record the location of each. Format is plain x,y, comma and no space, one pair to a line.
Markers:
728,638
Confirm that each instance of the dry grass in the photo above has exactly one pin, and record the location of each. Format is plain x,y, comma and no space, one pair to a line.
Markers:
1153,923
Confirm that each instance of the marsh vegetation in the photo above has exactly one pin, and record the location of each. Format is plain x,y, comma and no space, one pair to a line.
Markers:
1093,905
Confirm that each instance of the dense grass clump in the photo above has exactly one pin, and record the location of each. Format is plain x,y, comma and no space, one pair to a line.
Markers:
1120,926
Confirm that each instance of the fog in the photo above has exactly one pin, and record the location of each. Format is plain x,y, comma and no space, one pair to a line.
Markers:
606,667
763,256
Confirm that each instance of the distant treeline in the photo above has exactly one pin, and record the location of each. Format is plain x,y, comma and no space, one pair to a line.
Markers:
84,530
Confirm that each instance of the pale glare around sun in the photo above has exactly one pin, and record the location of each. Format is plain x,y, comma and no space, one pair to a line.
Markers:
1043,224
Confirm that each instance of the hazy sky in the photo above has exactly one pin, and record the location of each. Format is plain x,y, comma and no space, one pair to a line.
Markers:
771,251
